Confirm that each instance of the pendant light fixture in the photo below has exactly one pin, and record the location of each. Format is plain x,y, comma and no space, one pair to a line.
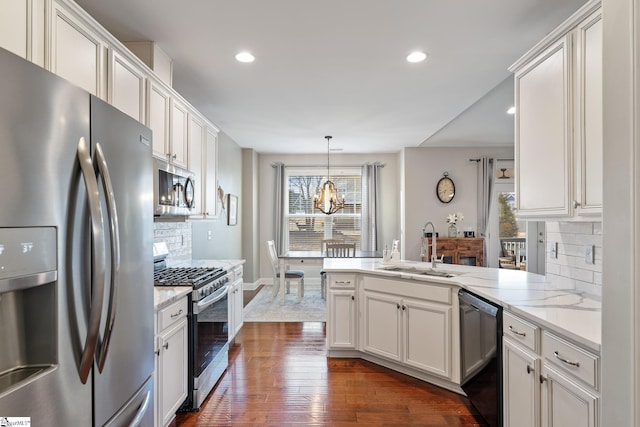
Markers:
327,201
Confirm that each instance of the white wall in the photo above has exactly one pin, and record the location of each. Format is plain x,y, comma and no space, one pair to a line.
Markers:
389,192
423,167
226,241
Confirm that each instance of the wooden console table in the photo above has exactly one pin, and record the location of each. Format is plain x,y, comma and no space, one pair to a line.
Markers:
457,250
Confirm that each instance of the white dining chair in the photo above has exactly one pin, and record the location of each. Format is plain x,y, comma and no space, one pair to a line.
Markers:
289,275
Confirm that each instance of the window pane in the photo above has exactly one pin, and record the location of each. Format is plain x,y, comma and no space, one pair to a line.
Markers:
308,226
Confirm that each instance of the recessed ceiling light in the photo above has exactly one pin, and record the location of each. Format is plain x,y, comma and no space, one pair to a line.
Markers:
245,57
511,110
416,56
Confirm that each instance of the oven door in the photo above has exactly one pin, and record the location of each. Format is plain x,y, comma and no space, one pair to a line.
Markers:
210,328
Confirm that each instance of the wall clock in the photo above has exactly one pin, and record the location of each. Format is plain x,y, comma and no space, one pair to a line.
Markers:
445,189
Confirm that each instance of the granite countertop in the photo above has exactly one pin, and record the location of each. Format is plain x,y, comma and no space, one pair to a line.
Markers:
165,295
568,312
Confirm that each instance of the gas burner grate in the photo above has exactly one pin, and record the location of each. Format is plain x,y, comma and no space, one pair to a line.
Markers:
186,276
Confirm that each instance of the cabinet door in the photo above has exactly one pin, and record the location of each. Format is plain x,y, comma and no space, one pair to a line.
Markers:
543,133
565,403
342,314
196,160
382,316
589,115
15,27
172,371
158,118
127,86
76,53
521,395
211,173
238,303
427,336
179,138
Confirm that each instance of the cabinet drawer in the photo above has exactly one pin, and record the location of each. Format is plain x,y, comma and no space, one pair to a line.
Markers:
342,281
173,313
521,331
571,358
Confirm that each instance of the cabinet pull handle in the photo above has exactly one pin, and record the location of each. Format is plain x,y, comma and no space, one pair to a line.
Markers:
174,315
343,282
542,379
166,346
568,362
529,369
522,334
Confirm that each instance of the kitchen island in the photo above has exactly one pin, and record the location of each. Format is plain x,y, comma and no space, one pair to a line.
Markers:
407,317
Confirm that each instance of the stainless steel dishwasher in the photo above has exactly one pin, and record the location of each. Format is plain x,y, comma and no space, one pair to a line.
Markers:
481,355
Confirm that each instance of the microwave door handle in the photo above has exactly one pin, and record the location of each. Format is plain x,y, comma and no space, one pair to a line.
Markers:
114,233
98,255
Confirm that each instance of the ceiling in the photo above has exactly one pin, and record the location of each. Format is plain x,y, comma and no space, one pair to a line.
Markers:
337,67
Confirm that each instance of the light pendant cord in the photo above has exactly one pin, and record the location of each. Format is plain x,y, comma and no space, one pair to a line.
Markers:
328,138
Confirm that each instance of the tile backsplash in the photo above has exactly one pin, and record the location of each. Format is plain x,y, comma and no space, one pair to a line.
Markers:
570,269
177,235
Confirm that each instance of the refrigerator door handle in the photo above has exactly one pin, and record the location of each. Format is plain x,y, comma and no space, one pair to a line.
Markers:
98,254
114,233
141,411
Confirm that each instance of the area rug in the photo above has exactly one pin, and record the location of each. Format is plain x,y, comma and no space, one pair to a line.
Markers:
264,308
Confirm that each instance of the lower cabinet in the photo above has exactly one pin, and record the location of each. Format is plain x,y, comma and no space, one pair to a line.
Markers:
548,381
236,304
171,361
416,331
343,319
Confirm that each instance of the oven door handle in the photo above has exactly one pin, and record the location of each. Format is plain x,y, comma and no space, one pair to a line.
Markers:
211,299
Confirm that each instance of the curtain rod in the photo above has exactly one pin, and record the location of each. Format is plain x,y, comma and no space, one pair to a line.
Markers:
499,160
273,165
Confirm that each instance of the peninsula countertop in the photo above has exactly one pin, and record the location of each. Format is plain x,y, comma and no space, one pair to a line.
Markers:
568,312
165,295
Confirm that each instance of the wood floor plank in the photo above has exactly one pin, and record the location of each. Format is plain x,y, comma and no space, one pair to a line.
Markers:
279,375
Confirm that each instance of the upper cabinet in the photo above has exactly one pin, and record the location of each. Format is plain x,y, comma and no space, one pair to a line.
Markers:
178,142
22,29
126,86
203,157
558,124
76,51
158,97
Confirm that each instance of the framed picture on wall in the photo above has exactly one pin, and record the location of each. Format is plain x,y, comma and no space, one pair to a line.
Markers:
232,209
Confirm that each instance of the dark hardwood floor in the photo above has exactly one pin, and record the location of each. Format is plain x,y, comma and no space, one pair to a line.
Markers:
279,375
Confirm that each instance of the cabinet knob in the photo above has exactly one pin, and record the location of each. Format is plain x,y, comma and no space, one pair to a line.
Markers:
175,156
529,369
404,307
398,306
353,298
576,204
542,379
157,352
166,346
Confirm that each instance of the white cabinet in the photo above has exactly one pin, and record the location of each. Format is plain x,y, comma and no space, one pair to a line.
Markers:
178,131
197,147
76,51
416,332
22,29
341,310
171,366
210,189
236,303
203,162
547,381
126,86
558,122
158,97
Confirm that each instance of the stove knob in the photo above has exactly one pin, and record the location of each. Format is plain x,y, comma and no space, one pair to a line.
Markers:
201,293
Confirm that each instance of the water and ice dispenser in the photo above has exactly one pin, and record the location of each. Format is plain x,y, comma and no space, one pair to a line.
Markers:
28,304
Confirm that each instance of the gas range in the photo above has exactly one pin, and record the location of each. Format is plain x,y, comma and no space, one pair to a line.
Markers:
203,280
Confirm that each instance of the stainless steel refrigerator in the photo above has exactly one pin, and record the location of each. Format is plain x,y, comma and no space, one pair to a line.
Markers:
76,234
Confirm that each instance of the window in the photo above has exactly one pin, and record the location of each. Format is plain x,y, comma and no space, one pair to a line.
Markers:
307,226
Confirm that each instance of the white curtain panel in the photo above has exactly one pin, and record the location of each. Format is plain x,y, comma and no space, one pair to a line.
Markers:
370,199
486,173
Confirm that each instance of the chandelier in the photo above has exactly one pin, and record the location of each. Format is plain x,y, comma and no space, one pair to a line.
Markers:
327,200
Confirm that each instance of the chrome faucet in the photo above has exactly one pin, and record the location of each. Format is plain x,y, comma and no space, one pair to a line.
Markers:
434,257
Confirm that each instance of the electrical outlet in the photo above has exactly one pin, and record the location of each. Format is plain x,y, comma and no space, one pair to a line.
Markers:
553,250
588,254
209,234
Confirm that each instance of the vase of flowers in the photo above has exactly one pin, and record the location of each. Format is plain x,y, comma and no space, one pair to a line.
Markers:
452,220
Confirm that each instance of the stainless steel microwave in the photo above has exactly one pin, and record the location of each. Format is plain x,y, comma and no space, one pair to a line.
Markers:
174,190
